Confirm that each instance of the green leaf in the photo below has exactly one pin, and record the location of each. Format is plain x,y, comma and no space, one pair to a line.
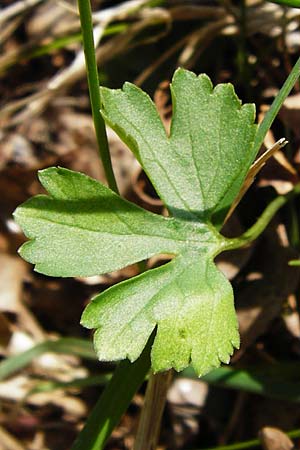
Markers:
189,301
114,400
199,169
83,228
294,262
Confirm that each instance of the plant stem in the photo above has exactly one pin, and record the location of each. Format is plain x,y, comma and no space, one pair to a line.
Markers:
276,105
242,57
253,232
150,421
94,89
253,443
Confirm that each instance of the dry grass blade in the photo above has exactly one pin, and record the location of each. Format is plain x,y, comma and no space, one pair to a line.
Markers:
268,18
195,12
283,161
35,103
253,171
261,161
261,17
16,8
202,37
230,8
60,81
119,12
269,141
8,29
145,74
8,442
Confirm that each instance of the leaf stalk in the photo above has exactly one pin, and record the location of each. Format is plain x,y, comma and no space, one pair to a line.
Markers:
262,222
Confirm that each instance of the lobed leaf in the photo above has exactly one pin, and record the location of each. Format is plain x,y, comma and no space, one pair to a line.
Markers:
83,228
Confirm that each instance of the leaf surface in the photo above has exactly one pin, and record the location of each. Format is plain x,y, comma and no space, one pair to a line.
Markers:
82,228
189,301
198,170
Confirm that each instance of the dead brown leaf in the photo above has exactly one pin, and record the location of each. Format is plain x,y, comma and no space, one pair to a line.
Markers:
274,439
13,271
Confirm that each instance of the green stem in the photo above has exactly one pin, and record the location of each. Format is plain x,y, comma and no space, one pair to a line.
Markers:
276,105
242,58
293,228
253,232
94,90
239,445
253,443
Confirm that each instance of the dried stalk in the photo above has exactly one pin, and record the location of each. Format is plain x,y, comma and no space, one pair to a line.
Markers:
150,421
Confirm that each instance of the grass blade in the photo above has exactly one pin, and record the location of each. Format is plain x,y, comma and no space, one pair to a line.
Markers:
78,383
79,347
276,105
253,443
113,402
280,382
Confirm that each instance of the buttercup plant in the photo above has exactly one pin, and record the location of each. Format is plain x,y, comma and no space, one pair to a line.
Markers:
83,228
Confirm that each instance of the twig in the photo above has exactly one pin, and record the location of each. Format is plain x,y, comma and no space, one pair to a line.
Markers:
150,421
